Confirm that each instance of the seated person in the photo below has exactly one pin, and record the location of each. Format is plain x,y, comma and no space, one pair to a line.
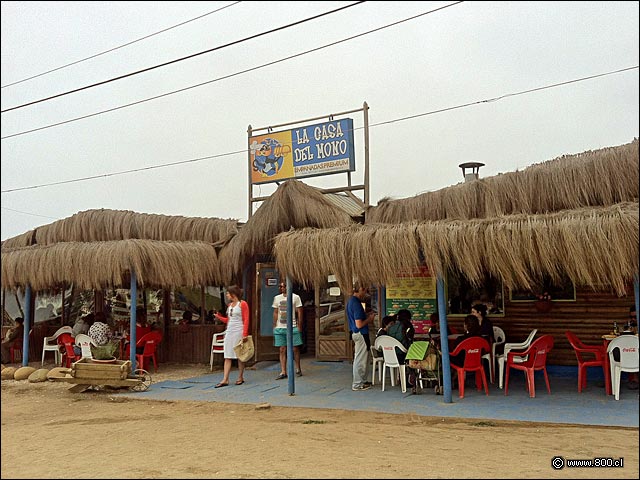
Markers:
479,310
387,322
154,327
12,334
101,336
82,324
403,331
142,328
434,325
187,319
471,329
630,328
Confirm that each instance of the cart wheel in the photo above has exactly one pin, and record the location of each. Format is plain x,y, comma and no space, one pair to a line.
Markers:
144,378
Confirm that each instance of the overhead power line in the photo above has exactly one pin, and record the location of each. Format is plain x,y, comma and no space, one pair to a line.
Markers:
183,58
141,169
408,117
514,94
116,48
230,75
28,213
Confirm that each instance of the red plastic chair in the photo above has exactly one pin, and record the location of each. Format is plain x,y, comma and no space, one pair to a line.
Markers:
535,361
15,350
474,348
150,342
599,351
69,354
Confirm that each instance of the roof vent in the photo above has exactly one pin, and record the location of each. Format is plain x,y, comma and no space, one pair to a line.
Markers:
473,174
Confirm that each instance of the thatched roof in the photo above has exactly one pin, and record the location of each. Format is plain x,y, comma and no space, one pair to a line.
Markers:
593,178
103,225
293,205
99,265
595,246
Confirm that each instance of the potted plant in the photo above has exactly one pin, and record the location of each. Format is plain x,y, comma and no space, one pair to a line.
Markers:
543,303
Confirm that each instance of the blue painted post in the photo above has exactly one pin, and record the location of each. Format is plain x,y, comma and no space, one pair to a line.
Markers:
636,291
444,340
132,325
27,326
383,303
290,368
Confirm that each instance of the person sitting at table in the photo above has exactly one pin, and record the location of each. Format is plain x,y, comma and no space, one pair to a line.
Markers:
479,310
103,347
632,323
471,329
82,324
631,328
403,331
142,327
387,322
434,325
154,327
12,334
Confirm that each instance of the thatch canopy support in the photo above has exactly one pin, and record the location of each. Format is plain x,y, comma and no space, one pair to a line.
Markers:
27,326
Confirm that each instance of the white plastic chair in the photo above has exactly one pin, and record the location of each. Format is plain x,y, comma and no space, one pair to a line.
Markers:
378,363
388,345
628,347
50,344
513,346
217,346
498,339
84,342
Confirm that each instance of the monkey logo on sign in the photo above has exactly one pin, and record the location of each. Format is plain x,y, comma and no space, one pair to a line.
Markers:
268,156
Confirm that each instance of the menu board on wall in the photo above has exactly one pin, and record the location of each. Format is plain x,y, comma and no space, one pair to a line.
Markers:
416,292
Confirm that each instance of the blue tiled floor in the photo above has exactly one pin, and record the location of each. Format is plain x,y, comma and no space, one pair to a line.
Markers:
328,385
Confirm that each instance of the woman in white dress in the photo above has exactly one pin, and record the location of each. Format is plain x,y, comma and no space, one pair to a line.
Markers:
237,321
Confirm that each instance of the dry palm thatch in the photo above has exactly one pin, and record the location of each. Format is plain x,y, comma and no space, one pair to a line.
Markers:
106,225
594,246
367,253
293,205
593,178
99,265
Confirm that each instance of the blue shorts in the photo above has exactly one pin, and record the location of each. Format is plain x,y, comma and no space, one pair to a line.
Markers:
280,337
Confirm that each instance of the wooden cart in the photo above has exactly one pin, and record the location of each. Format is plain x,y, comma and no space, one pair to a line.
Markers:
87,373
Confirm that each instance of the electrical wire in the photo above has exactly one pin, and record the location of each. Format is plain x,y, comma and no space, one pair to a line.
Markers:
118,47
28,213
86,87
71,120
408,117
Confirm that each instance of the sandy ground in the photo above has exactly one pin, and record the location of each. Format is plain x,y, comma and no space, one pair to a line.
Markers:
49,432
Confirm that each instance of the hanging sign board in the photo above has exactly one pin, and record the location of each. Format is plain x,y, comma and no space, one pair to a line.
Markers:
309,151
415,291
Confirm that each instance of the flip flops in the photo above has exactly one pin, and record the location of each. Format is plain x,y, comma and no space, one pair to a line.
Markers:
221,385
281,376
239,382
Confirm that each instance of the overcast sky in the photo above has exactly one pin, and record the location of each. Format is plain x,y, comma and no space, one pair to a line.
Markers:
466,53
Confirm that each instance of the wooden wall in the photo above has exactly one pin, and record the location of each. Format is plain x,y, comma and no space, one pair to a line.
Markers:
190,346
310,326
590,316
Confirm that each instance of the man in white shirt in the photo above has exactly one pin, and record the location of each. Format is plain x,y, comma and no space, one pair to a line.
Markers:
280,329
